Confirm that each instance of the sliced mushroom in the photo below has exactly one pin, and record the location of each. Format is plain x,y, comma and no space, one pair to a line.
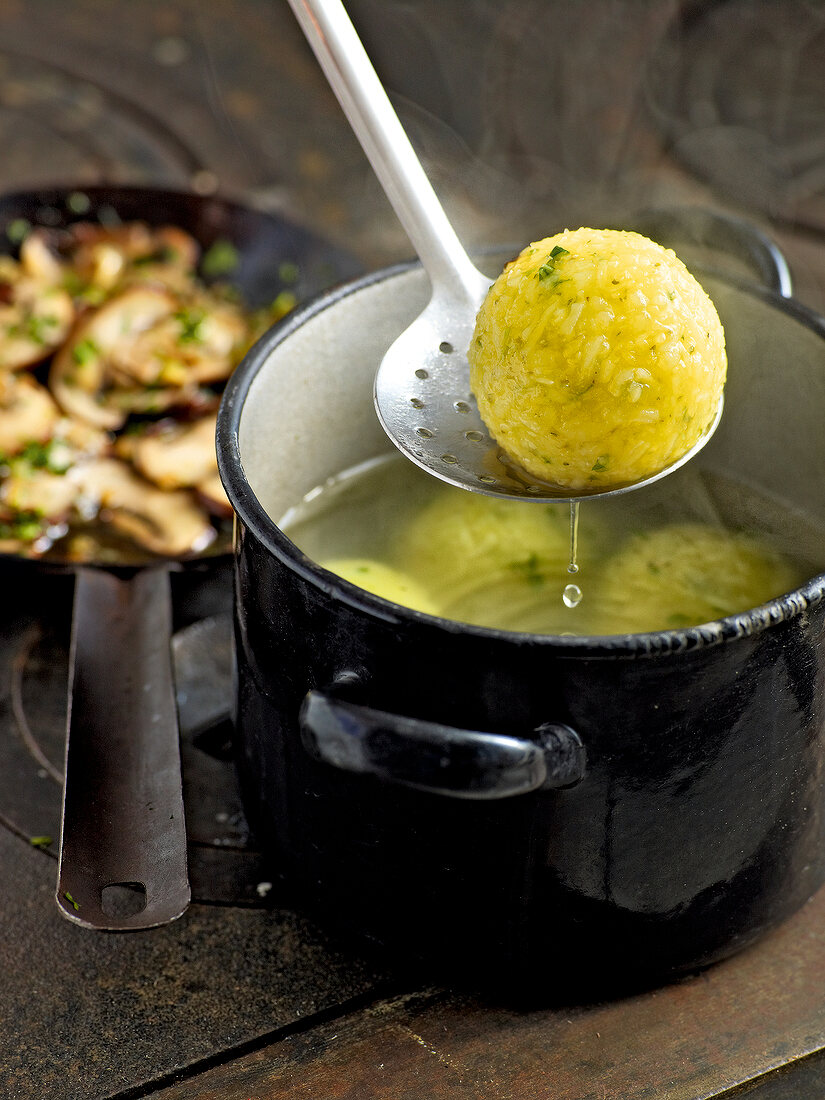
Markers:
79,377
35,318
174,455
38,492
171,524
83,439
36,485
28,414
195,344
95,260
194,400
39,258
213,495
104,257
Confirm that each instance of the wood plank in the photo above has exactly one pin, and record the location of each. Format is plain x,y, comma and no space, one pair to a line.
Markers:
691,1040
87,1015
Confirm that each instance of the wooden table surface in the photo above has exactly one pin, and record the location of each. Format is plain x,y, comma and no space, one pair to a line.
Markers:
526,113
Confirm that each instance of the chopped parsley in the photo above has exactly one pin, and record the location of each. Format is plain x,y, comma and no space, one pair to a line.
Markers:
18,229
191,326
26,527
221,258
40,841
71,900
78,203
679,620
530,568
548,272
84,352
164,255
601,463
288,272
34,327
282,304
53,456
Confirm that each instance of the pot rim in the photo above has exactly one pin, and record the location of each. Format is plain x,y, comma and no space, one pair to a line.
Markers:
253,516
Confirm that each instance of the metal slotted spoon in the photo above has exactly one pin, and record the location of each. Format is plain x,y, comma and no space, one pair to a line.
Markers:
422,387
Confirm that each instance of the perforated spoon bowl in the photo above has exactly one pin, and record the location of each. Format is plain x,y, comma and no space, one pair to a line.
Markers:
422,387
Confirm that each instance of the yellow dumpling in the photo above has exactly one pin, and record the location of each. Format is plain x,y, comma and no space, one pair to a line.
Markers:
597,359
686,574
382,580
493,562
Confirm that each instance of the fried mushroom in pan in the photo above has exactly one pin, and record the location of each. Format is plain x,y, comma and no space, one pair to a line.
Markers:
168,523
134,349
146,350
91,261
35,317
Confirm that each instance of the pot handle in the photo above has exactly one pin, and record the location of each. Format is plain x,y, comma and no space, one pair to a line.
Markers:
437,758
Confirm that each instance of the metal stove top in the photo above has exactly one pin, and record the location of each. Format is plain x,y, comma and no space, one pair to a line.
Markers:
225,866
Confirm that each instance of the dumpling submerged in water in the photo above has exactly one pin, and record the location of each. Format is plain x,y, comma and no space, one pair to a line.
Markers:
685,574
597,359
382,580
492,562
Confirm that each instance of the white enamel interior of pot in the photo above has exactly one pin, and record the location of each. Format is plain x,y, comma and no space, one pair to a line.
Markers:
309,411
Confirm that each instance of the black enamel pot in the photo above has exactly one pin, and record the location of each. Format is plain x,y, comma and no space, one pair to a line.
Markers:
614,808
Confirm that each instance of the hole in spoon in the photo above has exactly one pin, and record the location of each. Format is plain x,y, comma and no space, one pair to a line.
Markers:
474,437
446,347
461,406
421,373
416,403
425,433
123,899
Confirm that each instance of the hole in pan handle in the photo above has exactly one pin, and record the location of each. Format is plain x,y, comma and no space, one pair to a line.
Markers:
123,841
469,764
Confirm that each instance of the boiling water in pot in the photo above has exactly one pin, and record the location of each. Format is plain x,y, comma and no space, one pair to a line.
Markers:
694,548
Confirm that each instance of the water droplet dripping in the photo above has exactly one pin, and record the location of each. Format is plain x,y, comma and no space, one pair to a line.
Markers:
573,566
572,595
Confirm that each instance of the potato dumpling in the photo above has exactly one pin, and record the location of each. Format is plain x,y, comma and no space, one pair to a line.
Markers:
597,359
492,562
382,580
685,574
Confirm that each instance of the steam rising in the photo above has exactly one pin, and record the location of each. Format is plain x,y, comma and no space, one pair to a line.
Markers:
535,115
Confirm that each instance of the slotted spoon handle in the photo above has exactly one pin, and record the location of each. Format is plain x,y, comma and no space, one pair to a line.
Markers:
359,91
123,841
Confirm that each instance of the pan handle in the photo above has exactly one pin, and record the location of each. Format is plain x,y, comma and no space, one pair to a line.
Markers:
441,759
123,840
